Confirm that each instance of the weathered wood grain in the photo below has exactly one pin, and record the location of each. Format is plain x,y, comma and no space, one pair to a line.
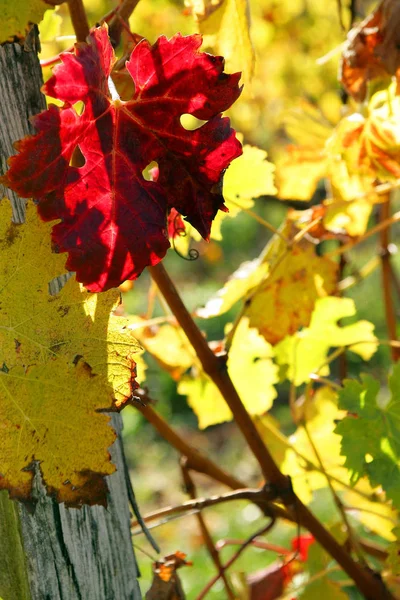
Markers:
71,554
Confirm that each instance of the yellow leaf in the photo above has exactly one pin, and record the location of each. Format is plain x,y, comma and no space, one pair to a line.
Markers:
307,126
48,414
299,172
252,372
167,343
249,176
321,425
227,32
285,300
379,516
42,338
305,352
16,16
381,133
349,217
246,277
50,26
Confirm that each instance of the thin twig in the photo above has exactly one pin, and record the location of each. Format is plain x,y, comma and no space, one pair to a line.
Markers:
230,562
122,15
79,19
256,544
258,496
380,227
212,550
395,279
361,274
262,221
195,459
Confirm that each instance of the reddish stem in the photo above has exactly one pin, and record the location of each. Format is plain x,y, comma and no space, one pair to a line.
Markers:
371,586
79,19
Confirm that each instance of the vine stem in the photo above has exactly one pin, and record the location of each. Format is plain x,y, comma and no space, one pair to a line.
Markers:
212,550
366,582
230,562
79,19
387,278
121,17
195,460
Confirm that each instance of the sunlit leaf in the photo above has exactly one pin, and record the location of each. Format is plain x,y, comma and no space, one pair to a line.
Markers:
167,343
63,358
320,420
227,31
285,300
246,277
348,217
249,176
369,508
306,351
253,374
112,221
299,172
371,432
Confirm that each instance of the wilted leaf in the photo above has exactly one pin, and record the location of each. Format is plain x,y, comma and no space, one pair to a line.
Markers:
371,50
252,372
306,351
113,221
285,300
371,432
166,584
63,357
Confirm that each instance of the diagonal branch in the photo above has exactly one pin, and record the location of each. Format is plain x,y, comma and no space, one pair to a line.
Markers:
278,483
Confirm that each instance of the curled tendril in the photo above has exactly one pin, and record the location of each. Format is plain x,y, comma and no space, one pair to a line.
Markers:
180,231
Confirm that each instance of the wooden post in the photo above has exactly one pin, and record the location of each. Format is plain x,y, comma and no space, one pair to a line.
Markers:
56,553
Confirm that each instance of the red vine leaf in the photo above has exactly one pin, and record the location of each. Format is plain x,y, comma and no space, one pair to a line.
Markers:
113,221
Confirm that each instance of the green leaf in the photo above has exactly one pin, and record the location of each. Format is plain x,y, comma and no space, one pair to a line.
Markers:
371,432
306,352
